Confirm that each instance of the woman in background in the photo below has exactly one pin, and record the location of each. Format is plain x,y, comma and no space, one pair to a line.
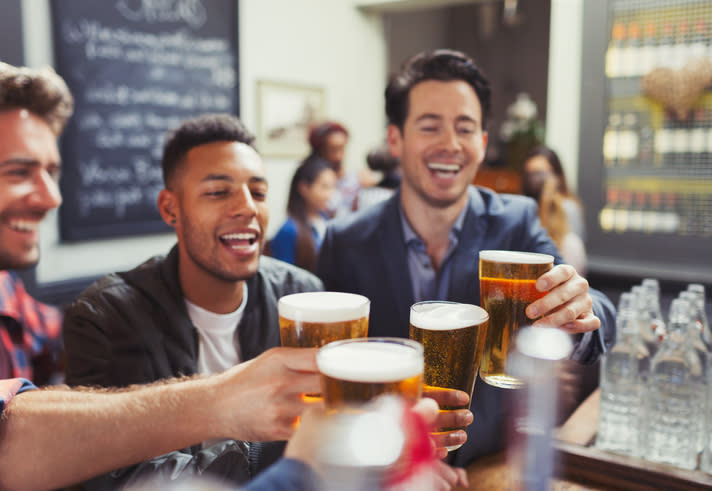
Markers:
541,162
298,240
545,187
328,142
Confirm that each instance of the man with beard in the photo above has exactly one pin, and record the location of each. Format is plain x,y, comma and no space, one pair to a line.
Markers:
210,304
34,106
423,243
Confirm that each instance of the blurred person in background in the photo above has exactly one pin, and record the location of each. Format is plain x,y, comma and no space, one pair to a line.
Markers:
380,160
299,239
554,218
541,162
328,141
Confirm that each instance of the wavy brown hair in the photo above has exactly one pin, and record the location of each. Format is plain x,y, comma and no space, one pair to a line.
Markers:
39,90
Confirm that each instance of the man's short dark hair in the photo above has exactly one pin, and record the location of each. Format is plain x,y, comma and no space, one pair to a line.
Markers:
208,128
444,65
40,91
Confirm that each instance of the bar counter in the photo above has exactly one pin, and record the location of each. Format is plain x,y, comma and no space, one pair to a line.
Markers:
581,466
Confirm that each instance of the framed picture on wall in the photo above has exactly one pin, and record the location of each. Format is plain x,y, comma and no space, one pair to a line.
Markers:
285,113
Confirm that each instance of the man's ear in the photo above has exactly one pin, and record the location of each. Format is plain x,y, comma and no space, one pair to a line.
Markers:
168,206
395,140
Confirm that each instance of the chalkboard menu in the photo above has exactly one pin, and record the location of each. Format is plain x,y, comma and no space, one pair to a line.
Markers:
136,69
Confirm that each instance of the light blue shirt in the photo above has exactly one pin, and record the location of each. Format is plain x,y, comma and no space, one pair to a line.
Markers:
427,283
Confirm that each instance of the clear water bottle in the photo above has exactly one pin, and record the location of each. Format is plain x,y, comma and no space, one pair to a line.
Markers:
700,312
620,384
648,341
672,414
651,287
699,359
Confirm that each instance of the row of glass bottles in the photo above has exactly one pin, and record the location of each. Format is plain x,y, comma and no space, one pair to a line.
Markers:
655,380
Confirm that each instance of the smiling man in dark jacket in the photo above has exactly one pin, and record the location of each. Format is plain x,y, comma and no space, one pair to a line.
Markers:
209,304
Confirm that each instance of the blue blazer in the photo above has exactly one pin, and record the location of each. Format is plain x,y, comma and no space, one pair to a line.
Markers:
365,253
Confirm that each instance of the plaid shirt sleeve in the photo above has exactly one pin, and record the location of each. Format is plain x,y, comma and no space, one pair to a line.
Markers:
30,331
9,388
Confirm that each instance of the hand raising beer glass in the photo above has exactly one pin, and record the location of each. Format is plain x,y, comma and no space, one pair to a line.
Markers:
355,371
453,338
507,287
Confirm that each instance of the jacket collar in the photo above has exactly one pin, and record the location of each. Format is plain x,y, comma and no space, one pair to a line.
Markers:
392,247
464,288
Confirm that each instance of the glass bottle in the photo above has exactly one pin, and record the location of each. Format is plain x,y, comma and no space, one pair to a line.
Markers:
672,414
621,385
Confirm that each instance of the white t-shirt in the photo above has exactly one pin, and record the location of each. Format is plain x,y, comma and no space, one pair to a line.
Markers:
218,346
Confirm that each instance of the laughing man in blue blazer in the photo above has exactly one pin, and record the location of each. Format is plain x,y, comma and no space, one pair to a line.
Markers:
423,243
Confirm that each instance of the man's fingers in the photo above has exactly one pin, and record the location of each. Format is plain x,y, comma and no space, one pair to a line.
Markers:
447,397
573,293
457,418
561,273
298,359
304,383
427,409
588,322
447,477
443,439
462,477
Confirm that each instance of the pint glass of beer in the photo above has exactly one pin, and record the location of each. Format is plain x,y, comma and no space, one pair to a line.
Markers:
313,319
355,371
507,287
453,337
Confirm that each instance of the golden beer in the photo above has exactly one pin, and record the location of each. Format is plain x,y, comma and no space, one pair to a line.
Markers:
507,287
355,371
313,319
453,338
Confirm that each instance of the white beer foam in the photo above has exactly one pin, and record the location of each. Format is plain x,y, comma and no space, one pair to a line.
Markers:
370,361
323,307
445,316
516,257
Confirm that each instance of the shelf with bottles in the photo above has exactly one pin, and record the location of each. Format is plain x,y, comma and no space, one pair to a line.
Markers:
657,207
656,34
641,134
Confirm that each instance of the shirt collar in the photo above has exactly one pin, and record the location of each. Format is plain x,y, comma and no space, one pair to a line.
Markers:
410,236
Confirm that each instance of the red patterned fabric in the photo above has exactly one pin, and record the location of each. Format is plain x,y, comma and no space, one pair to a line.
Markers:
30,333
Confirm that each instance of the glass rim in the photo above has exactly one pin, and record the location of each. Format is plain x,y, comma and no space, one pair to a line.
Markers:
423,321
516,257
415,345
323,306
414,361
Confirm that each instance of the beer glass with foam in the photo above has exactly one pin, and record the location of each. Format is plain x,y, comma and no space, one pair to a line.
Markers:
355,371
453,338
507,287
313,319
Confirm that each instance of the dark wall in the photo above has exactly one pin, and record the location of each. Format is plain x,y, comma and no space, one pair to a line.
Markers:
11,45
514,57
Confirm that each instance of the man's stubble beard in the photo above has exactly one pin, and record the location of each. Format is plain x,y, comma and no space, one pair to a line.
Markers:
215,270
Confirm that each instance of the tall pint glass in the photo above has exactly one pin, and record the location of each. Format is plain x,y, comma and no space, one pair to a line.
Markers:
453,338
313,319
507,287
355,371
